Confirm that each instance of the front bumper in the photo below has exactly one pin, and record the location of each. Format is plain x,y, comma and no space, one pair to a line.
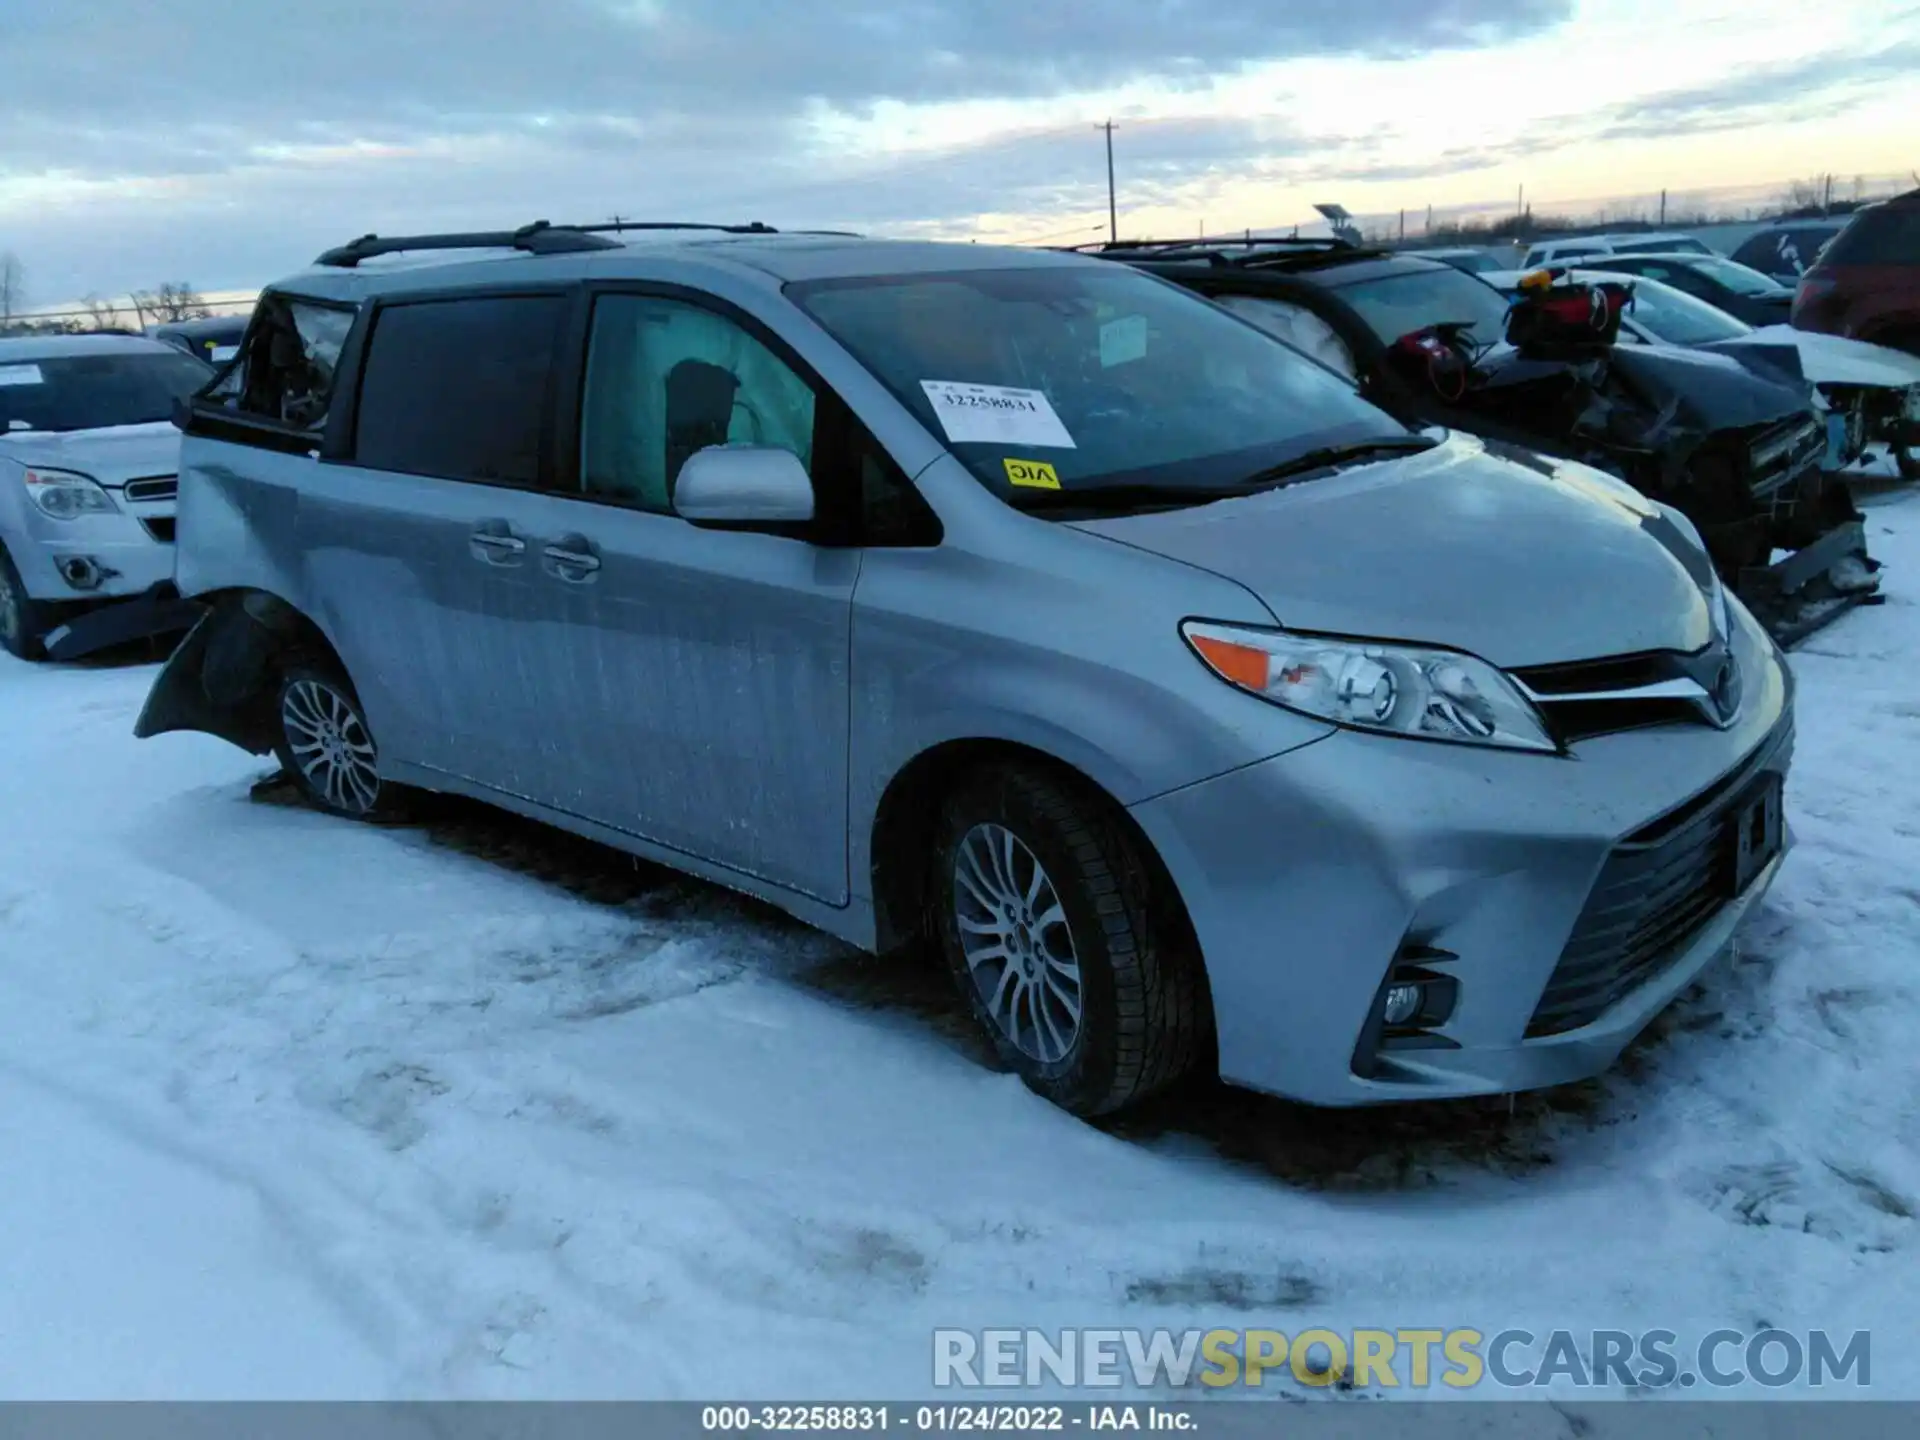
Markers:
132,550
1308,876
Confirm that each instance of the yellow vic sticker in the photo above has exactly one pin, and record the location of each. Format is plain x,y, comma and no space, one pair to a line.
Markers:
1034,474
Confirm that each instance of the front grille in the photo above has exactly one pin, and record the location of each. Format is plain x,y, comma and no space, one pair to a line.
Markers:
158,487
1658,888
160,527
1587,698
1780,453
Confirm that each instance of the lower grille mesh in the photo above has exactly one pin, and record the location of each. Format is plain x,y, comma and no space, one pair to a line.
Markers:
1656,891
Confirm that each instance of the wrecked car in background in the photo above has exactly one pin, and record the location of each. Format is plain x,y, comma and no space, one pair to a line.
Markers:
1871,392
88,460
215,339
1738,452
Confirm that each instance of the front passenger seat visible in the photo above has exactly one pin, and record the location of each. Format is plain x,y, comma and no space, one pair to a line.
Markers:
699,412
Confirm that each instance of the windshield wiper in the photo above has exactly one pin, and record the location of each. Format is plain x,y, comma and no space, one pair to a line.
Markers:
1121,497
1327,457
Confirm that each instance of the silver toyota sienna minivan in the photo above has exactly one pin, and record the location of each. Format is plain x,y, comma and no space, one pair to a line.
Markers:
1199,714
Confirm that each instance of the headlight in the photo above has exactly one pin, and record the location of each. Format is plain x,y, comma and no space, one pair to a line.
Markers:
1390,689
66,496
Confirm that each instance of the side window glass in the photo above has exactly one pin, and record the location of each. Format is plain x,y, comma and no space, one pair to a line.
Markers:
665,379
1299,327
458,388
287,363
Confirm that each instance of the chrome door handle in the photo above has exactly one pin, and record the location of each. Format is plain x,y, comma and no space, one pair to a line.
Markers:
493,547
571,558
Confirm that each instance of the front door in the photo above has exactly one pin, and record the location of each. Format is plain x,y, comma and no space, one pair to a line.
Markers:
701,680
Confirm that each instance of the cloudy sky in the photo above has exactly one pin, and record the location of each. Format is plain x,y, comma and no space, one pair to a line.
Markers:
226,141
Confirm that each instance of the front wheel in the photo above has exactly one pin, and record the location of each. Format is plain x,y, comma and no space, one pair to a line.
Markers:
325,745
1070,954
24,621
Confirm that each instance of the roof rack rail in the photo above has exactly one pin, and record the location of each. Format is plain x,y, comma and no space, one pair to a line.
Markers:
1274,252
539,238
1229,242
752,227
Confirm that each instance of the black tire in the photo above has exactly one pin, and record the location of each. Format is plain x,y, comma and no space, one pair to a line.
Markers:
323,742
24,621
1143,1019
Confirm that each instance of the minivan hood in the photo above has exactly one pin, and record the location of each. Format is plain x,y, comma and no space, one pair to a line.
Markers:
111,456
1511,556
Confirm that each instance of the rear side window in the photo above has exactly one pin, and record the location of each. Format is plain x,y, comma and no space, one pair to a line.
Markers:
1882,236
286,362
458,388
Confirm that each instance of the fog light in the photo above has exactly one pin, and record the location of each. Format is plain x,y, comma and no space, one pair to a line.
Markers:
1402,1004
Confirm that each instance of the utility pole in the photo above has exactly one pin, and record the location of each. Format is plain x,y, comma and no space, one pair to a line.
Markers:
1663,209
1403,227
1113,212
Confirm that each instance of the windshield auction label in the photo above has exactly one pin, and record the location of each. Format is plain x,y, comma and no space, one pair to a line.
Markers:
996,415
20,375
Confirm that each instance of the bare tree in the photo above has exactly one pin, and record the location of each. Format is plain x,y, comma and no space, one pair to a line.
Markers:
174,300
13,285
102,314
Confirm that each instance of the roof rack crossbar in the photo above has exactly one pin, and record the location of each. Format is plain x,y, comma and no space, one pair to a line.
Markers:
752,227
539,238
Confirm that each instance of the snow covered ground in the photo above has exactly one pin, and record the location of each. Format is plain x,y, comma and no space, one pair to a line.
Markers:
295,1108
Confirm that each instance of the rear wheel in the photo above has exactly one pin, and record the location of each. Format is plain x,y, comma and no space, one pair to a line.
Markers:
325,745
24,621
1066,947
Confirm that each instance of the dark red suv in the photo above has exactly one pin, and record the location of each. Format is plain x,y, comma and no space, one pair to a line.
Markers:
1866,284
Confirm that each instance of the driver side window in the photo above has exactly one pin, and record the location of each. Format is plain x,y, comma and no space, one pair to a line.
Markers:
1298,327
666,379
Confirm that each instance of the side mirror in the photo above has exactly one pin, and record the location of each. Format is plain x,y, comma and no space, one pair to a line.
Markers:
743,485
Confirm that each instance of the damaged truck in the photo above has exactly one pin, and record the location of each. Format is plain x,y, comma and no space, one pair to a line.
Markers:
1736,449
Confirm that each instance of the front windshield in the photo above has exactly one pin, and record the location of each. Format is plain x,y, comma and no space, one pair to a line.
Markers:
92,392
1396,305
1677,318
1088,377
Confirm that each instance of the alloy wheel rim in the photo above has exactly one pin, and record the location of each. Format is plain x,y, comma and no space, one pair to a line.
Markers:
1017,943
329,742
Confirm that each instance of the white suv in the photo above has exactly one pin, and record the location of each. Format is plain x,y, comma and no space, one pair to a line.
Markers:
1577,247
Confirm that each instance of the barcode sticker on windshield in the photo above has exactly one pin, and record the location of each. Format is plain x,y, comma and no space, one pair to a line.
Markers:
21,375
995,415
